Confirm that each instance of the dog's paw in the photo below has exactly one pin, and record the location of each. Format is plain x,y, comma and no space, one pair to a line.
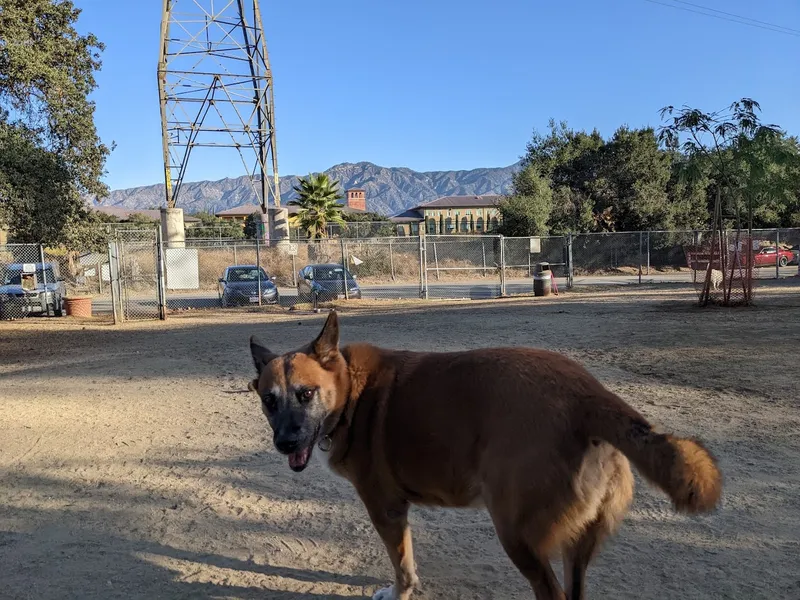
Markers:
386,593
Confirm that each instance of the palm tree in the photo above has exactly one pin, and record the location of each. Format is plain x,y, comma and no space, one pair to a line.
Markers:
317,197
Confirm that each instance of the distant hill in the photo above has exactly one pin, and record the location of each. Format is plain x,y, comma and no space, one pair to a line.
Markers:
389,190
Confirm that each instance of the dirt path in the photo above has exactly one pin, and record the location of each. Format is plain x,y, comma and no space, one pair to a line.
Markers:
129,470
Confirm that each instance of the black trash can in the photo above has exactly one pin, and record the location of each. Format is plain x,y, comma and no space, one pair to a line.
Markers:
542,279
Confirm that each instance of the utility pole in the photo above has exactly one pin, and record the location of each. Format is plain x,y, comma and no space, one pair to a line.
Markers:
215,91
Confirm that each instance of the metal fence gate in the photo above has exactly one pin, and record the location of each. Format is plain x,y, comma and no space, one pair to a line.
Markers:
135,258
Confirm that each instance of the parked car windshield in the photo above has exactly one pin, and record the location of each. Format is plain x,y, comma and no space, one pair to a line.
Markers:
329,273
246,274
14,276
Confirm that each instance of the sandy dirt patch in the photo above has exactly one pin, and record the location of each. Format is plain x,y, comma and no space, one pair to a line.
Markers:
130,468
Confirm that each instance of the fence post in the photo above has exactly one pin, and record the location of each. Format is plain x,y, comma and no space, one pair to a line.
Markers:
344,269
235,258
112,269
641,244
44,281
502,267
121,280
391,258
258,268
483,248
422,293
294,270
530,272
111,284
648,252
162,292
570,269
777,254
436,260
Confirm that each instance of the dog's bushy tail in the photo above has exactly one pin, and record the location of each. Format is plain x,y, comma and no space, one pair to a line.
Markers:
683,468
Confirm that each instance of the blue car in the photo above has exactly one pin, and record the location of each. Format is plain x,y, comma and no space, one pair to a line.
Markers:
239,286
33,289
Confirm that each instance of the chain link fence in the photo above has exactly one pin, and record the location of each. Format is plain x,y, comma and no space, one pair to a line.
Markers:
136,277
135,269
29,284
193,272
462,266
39,281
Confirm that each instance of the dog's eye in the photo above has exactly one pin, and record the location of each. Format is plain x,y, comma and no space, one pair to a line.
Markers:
305,395
270,401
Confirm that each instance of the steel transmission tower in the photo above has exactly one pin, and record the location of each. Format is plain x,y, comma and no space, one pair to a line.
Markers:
215,91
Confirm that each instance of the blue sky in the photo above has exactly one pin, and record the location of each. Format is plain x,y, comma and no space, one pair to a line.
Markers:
453,84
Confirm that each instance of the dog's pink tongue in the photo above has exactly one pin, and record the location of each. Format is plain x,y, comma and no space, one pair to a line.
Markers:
299,459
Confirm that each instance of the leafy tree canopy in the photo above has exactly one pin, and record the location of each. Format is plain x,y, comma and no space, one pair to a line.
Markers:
527,211
667,179
50,153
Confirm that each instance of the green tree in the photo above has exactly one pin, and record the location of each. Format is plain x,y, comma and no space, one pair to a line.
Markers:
317,197
573,210
767,167
376,225
688,198
141,220
631,184
50,154
213,227
527,210
251,225
568,160
731,147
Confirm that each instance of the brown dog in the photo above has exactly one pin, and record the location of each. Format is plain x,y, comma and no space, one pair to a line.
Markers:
529,434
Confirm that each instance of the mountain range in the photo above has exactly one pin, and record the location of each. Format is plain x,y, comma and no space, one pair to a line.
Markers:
388,190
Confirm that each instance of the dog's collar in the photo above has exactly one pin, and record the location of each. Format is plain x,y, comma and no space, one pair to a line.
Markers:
326,441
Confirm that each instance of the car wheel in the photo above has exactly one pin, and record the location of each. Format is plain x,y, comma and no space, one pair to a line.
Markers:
783,261
58,309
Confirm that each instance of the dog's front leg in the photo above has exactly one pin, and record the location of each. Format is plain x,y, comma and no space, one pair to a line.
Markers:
391,521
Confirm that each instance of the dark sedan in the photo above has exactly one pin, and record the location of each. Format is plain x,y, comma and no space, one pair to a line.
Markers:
326,282
239,286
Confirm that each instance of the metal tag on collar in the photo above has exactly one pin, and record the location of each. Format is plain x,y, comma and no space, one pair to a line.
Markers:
325,443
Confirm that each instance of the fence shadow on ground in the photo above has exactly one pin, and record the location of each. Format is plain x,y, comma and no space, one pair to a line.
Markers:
202,348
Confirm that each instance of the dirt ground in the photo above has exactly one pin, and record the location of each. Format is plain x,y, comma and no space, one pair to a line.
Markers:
130,467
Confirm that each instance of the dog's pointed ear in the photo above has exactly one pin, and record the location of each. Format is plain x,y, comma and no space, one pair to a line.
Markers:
261,354
326,346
